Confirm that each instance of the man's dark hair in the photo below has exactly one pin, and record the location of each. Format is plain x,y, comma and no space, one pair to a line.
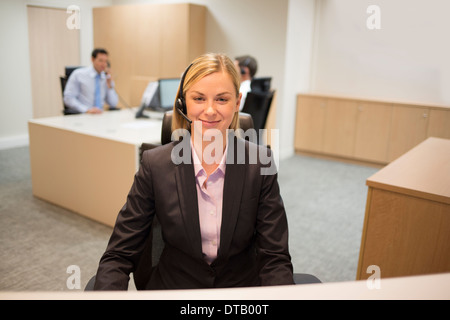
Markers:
96,51
249,62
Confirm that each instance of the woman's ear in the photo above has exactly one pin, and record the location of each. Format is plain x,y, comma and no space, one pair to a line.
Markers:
238,103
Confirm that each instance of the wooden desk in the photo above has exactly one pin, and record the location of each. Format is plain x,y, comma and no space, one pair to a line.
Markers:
407,222
434,287
86,163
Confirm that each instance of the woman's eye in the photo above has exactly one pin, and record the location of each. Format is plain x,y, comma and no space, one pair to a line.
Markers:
198,99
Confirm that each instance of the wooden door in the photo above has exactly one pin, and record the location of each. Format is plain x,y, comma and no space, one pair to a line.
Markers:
52,47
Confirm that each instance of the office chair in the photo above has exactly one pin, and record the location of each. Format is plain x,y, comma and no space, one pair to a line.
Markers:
261,84
67,110
257,104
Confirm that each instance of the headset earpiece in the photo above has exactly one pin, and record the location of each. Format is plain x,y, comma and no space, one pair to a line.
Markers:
180,102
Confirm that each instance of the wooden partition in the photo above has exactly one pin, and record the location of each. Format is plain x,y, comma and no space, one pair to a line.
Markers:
148,41
407,222
365,130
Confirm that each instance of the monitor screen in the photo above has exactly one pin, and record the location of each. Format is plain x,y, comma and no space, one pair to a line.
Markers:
168,91
261,84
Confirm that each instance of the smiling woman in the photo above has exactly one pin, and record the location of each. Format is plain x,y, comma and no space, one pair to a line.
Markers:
224,223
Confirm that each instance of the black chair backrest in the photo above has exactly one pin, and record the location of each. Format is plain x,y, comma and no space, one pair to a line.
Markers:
257,104
261,84
67,110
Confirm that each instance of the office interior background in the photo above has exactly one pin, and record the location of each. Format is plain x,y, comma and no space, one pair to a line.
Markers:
306,46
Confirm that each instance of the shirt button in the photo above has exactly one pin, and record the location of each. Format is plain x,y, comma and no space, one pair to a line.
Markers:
214,243
212,212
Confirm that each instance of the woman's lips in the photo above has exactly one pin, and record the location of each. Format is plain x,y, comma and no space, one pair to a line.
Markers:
209,124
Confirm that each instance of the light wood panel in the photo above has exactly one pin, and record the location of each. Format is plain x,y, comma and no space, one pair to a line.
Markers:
340,127
407,222
372,131
406,236
310,122
52,47
149,40
439,123
408,129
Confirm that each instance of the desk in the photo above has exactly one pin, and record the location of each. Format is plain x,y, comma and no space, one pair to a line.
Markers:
86,163
407,222
435,287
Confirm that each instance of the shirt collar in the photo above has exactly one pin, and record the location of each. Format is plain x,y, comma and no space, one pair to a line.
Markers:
198,168
93,73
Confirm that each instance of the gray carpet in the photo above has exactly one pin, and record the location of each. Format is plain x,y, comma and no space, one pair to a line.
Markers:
325,203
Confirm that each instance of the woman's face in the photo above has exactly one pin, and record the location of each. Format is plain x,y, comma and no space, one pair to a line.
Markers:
212,101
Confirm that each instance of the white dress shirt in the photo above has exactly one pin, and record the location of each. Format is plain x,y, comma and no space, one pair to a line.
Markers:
244,89
79,94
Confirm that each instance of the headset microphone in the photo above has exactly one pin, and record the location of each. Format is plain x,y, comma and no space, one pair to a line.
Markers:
184,116
181,102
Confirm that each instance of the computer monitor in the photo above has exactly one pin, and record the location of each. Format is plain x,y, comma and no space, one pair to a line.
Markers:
261,84
167,92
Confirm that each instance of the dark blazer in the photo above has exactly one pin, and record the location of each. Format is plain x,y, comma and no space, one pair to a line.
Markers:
253,238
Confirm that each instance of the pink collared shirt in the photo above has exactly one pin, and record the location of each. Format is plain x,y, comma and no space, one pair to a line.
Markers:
210,198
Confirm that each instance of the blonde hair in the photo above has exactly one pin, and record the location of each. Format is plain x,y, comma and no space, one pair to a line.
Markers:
202,66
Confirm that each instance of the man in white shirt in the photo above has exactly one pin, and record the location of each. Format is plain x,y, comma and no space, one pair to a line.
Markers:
88,88
247,66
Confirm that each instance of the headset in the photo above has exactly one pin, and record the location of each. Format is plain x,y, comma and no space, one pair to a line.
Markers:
180,103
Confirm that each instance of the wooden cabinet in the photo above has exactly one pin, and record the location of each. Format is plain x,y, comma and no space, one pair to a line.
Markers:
439,124
408,130
372,131
365,130
149,41
407,223
340,126
310,123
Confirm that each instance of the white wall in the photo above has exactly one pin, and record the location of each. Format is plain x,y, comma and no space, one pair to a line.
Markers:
406,60
15,81
298,61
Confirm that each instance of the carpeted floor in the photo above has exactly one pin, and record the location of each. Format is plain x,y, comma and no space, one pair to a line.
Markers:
325,203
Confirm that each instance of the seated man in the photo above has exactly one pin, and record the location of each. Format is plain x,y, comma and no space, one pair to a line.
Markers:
247,66
88,88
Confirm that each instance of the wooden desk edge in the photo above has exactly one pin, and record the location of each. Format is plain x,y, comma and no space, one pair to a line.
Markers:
435,286
408,192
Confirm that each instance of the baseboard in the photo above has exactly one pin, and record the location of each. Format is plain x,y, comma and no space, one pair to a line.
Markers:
14,141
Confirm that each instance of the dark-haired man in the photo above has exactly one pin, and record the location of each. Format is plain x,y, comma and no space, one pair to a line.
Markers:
88,88
247,66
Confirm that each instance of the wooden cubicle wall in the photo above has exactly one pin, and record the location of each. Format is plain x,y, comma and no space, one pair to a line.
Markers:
365,130
149,41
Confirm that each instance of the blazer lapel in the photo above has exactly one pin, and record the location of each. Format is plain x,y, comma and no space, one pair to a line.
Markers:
187,193
232,194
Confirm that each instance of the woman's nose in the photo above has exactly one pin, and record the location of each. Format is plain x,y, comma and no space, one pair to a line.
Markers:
210,107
